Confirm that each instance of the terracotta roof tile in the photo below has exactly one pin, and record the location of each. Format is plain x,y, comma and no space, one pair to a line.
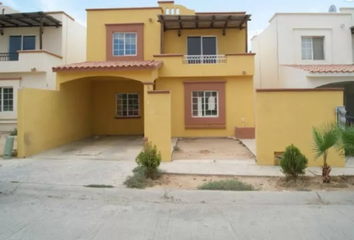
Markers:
335,68
109,65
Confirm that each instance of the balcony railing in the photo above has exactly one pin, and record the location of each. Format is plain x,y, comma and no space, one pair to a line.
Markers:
5,57
204,59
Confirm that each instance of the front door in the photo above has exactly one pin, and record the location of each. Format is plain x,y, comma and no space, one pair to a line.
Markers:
15,46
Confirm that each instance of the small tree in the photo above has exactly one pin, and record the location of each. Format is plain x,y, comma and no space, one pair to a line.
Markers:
324,138
293,162
150,159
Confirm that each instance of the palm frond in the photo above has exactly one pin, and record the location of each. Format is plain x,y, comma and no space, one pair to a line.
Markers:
324,137
346,143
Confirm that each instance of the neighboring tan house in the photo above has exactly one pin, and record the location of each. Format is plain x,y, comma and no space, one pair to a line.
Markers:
307,50
199,59
30,45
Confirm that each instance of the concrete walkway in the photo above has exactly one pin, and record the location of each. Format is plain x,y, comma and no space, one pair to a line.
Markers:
250,145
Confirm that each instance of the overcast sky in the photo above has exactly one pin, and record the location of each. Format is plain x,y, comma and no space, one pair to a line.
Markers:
261,10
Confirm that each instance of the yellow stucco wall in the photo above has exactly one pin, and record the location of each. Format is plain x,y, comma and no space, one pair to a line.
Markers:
232,42
158,123
236,66
96,30
47,119
104,108
239,104
285,118
170,5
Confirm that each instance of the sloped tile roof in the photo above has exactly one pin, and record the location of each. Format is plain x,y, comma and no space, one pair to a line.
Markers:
108,65
325,68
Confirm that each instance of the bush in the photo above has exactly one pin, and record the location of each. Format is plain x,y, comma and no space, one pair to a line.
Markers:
293,162
136,181
154,173
227,185
13,132
149,158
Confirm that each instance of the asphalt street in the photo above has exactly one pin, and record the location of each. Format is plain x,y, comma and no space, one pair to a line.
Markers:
47,211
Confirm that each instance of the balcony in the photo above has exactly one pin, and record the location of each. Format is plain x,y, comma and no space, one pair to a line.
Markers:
179,65
204,59
28,61
5,57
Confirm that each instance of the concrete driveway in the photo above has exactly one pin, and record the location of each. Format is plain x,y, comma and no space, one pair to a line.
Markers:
118,148
70,172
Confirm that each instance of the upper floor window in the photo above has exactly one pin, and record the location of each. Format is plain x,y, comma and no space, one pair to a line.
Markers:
19,43
124,44
312,48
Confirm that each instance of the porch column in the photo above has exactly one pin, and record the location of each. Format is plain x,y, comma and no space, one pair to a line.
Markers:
147,87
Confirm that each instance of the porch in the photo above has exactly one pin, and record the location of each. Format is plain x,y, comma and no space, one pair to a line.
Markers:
95,103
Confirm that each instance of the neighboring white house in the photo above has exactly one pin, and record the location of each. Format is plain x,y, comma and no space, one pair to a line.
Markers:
307,50
28,54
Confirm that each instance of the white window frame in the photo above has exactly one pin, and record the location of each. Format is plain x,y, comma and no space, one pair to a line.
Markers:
312,50
136,44
128,116
204,96
2,99
22,36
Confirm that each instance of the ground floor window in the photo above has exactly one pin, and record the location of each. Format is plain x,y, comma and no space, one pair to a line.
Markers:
6,99
128,105
205,104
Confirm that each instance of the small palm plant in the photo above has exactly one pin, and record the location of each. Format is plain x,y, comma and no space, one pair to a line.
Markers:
346,143
324,138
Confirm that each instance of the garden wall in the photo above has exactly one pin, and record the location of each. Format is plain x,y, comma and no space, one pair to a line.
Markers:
287,116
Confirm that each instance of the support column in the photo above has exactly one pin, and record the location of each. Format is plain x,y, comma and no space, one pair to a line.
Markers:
147,87
41,34
158,122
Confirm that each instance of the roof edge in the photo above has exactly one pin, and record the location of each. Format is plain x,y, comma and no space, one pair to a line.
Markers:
119,9
60,12
219,13
308,13
300,90
107,68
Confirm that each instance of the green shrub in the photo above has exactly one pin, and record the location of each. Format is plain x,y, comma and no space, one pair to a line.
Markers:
227,185
136,181
13,132
149,158
293,162
140,178
154,173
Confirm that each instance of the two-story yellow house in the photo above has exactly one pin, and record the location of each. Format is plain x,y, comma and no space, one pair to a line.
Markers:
161,72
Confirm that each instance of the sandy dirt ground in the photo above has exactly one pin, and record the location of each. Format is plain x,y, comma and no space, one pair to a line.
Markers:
210,148
189,182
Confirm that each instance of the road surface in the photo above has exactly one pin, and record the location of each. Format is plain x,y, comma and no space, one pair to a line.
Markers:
46,211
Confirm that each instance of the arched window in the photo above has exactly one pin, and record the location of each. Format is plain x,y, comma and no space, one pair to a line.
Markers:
167,11
172,11
177,11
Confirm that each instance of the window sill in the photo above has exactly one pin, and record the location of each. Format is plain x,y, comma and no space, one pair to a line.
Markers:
137,117
205,127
